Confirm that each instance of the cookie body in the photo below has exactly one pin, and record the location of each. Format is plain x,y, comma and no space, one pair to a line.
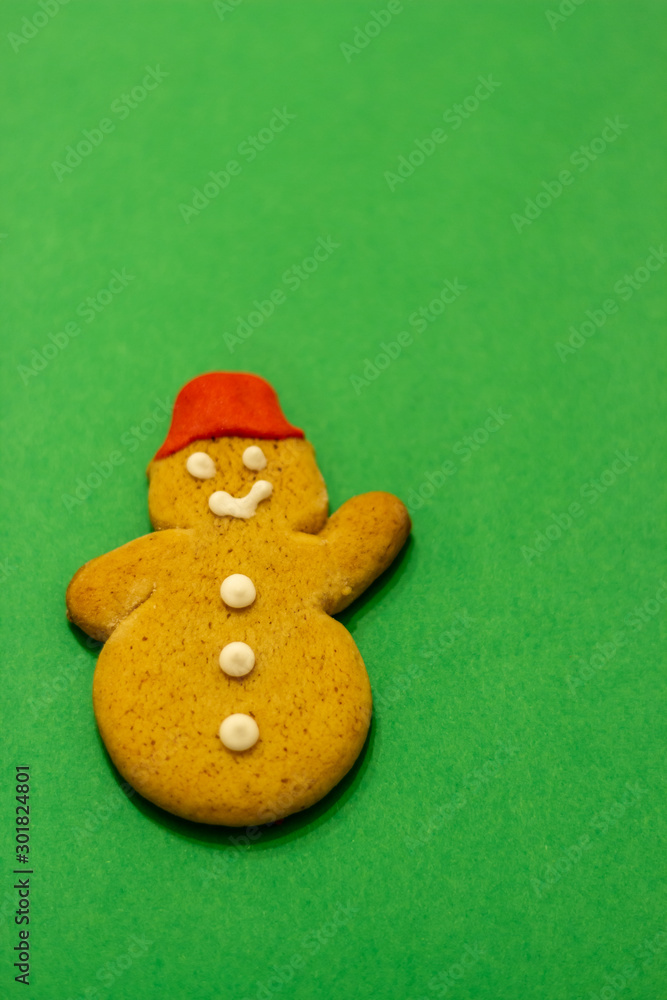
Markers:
301,695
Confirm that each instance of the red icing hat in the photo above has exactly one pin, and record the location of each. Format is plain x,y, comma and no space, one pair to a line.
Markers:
226,404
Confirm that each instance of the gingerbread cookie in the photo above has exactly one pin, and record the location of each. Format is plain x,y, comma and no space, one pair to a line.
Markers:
225,692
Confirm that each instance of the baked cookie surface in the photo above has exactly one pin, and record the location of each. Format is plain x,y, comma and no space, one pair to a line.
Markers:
225,692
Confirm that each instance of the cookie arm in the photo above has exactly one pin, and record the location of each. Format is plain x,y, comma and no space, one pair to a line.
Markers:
105,590
363,538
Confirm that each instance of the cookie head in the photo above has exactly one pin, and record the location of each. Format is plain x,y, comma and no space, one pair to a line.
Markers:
230,454
288,491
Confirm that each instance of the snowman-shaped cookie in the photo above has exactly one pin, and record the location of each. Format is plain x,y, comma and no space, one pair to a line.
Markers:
225,692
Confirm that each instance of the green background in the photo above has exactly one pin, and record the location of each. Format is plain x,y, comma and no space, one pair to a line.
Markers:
540,864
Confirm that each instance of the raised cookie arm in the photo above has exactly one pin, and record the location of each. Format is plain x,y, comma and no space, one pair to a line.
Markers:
105,590
363,537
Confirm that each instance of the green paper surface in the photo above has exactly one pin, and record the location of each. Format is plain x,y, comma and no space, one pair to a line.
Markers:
485,184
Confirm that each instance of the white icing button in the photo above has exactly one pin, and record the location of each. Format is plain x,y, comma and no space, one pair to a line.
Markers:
237,659
200,465
222,503
238,591
254,458
239,732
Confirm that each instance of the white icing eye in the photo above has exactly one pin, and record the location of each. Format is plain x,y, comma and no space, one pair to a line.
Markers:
237,659
238,591
200,465
254,458
239,732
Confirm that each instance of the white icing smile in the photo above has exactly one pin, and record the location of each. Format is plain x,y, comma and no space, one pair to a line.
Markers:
222,503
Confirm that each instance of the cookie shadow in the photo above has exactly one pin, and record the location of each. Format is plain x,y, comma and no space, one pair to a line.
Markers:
390,580
257,838
92,646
